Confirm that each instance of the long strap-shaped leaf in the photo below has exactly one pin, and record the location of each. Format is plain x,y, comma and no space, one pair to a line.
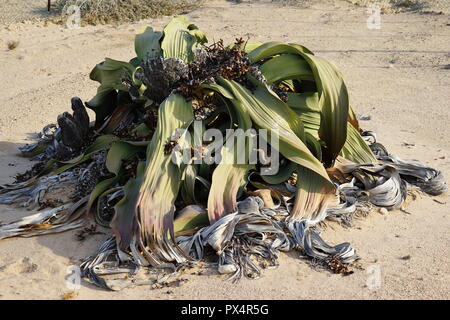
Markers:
312,197
355,148
270,113
162,181
286,67
180,38
333,95
124,222
146,44
273,48
226,181
227,177
109,74
333,102
119,151
306,105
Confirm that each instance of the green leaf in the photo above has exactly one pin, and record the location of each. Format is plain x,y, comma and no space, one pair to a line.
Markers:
180,39
229,177
200,36
227,180
355,148
124,223
146,44
101,143
283,174
109,74
306,105
162,180
190,219
250,46
142,131
332,92
270,113
188,186
286,67
314,145
270,49
333,103
120,151
103,104
99,190
312,197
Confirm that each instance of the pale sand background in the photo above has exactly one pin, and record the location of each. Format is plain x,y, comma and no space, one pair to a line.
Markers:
399,75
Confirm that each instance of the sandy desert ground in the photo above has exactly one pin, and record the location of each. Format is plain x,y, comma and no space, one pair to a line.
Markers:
398,75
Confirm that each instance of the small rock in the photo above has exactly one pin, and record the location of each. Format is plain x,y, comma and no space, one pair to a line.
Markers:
407,257
383,211
227,269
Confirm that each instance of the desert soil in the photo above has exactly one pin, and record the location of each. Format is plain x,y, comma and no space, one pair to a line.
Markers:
398,75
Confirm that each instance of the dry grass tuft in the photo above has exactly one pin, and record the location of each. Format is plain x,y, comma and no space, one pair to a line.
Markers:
110,11
69,295
13,44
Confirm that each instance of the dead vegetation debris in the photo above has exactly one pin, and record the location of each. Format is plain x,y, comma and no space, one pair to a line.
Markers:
12,44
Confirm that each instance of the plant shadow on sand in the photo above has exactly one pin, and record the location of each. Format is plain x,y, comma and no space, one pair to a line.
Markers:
73,245
63,245
12,163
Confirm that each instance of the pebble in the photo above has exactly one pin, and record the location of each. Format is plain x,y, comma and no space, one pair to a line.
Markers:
383,211
226,269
